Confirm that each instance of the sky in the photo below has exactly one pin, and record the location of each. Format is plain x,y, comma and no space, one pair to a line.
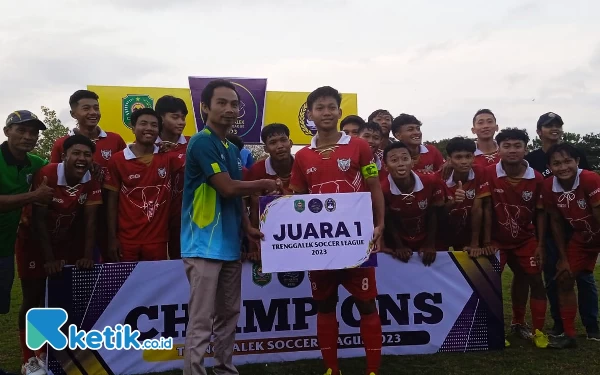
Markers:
438,60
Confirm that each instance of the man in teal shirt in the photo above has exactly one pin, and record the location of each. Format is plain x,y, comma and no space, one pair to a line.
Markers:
213,220
17,167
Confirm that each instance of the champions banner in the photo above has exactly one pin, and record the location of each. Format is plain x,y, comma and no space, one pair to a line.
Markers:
289,108
453,306
252,93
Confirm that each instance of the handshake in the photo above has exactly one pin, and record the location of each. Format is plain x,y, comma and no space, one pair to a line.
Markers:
269,187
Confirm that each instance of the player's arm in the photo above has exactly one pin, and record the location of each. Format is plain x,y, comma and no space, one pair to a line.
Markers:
90,211
476,222
112,186
540,217
558,230
39,214
487,225
41,194
398,250
428,249
370,174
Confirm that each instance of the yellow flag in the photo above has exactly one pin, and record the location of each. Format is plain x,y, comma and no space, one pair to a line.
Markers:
118,102
289,108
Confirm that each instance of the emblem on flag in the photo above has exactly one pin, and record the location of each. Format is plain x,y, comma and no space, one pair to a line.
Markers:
132,103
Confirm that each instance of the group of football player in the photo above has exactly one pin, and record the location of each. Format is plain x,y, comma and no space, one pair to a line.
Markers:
101,200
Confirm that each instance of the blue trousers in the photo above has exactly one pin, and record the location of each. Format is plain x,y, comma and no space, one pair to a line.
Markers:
587,293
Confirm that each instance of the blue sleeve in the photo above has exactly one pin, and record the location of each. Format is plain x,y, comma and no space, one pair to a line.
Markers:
207,155
249,159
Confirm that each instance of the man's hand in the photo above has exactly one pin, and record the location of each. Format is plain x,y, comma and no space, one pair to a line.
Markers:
539,257
96,171
563,269
254,235
271,187
377,239
488,249
84,264
114,251
446,170
459,195
428,254
166,146
404,254
44,193
54,266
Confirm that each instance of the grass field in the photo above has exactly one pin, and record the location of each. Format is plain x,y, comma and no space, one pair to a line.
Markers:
521,358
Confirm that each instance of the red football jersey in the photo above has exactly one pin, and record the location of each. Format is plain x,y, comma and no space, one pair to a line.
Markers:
339,168
576,206
409,211
483,160
66,204
107,144
429,160
179,151
263,169
514,205
456,230
145,194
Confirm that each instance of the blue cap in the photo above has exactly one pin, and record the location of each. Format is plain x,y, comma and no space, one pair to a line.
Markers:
23,116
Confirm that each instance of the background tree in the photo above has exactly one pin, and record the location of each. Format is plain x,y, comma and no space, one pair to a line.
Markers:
54,130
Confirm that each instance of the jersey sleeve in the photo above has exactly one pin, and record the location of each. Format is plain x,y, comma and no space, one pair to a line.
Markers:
547,196
484,182
591,186
438,193
56,153
438,160
112,177
539,204
94,193
368,167
121,145
176,163
206,154
298,182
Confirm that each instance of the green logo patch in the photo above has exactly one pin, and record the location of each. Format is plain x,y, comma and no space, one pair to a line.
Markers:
132,103
299,205
258,277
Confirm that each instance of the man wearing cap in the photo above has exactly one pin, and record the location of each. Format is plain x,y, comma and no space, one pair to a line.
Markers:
550,131
17,167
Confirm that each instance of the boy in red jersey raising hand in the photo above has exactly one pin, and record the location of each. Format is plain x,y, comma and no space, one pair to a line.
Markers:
139,181
277,166
317,169
572,194
173,111
60,233
515,203
412,203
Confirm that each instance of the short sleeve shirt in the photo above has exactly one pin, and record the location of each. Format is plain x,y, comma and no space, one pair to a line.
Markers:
210,224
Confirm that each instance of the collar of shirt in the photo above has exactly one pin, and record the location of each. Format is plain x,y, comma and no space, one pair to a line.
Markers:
344,140
10,159
559,189
479,152
101,134
129,155
529,172
450,181
395,191
180,141
423,149
62,177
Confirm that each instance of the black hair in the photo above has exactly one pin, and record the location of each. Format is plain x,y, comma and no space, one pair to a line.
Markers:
351,119
78,139
565,147
371,125
323,92
145,111
236,140
273,129
81,94
379,112
482,112
170,104
209,90
458,144
512,134
404,119
393,146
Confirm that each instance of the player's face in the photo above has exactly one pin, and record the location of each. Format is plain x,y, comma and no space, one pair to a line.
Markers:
398,163
224,107
512,151
351,129
385,121
22,137
146,130
325,113
485,126
174,123
461,161
279,147
373,138
551,132
410,134
87,112
78,160
563,166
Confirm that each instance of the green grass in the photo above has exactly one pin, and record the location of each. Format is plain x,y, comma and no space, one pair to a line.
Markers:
521,358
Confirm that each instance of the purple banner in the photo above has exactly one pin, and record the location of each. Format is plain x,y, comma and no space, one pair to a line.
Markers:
252,92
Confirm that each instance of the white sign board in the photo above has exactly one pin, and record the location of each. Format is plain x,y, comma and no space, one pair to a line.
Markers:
315,231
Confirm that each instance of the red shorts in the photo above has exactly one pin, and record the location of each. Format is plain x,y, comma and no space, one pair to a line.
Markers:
30,257
359,282
144,252
581,259
522,257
